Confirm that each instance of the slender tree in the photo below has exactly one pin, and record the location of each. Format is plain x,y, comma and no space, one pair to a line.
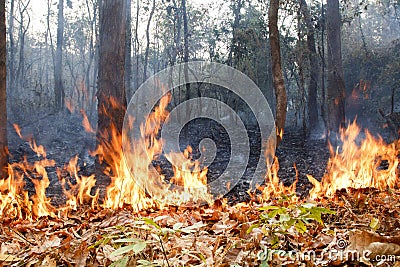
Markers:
11,56
312,106
146,54
58,73
111,85
277,73
3,99
237,6
335,86
185,47
23,30
128,50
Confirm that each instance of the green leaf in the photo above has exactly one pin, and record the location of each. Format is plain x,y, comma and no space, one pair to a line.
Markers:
284,217
308,205
273,213
128,240
300,227
202,257
151,222
323,210
269,208
288,224
145,263
374,224
192,228
253,226
120,263
136,248
177,226
316,217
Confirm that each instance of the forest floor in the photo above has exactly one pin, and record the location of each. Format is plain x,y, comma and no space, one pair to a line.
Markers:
284,231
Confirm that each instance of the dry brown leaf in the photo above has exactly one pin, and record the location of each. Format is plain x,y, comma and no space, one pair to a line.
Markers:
49,262
322,240
221,227
8,258
52,242
107,250
10,248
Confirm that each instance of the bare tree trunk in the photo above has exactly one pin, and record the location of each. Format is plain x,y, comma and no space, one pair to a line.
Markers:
3,98
277,73
137,46
312,106
323,75
186,47
58,76
146,55
11,59
111,84
336,87
128,50
92,50
20,76
238,4
301,66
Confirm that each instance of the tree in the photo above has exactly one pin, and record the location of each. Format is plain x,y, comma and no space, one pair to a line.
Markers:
58,82
237,6
3,99
11,56
128,50
186,47
312,106
277,73
111,85
335,86
146,56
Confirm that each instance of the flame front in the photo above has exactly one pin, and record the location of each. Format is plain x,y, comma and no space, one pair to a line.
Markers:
371,164
136,183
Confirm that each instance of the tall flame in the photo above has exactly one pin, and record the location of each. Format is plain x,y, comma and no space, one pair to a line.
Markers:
371,164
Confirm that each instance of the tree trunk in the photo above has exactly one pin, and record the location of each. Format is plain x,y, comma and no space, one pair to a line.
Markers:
236,13
137,45
312,106
11,59
186,47
3,99
20,75
111,85
146,55
128,51
335,87
58,82
323,64
277,74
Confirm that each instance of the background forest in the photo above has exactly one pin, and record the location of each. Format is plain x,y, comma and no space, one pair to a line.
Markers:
53,53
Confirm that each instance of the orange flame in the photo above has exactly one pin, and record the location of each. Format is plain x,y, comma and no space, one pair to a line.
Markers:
372,164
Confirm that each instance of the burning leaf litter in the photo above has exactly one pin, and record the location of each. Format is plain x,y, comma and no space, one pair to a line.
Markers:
359,191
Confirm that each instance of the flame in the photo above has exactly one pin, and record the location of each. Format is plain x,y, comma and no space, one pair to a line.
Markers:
274,187
129,185
135,183
86,123
371,164
80,192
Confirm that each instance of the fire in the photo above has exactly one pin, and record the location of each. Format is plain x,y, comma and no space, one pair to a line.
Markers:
80,192
136,183
274,187
132,177
371,164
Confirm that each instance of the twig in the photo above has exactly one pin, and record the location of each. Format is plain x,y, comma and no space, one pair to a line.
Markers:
163,251
20,235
